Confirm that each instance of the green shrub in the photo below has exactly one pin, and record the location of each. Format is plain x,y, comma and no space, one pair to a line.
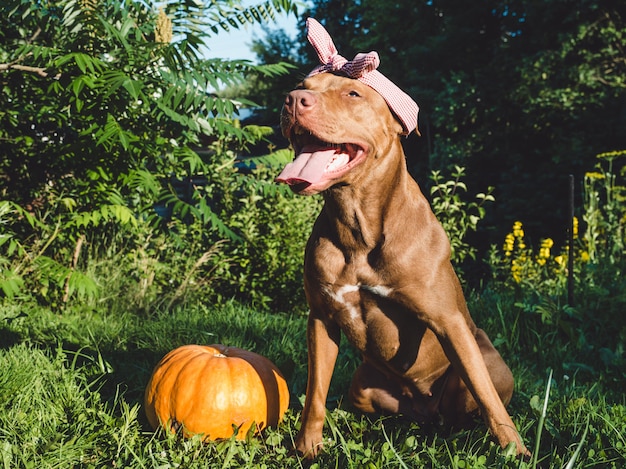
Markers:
262,262
604,211
103,106
457,215
537,279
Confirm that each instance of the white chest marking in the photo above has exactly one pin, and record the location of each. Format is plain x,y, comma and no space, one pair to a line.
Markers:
338,295
378,290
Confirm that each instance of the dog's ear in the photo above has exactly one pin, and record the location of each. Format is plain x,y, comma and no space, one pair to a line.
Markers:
396,126
399,129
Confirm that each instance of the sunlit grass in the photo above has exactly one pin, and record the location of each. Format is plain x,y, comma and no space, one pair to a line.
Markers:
71,387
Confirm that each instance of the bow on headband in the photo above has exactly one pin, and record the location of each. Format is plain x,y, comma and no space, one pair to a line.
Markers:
363,68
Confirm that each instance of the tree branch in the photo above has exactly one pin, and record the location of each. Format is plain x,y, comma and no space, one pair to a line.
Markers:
26,68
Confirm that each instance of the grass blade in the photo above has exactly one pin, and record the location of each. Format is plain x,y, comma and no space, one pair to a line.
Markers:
402,464
572,461
542,418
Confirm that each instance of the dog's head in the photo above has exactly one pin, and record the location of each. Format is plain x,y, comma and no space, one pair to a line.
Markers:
343,116
335,124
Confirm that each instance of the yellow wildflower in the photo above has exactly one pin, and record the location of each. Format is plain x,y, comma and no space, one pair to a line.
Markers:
516,271
611,154
509,244
544,250
594,175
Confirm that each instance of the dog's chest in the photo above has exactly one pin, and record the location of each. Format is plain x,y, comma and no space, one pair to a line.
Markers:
371,320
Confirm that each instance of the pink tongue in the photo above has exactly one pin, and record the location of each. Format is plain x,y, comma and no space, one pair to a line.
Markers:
308,167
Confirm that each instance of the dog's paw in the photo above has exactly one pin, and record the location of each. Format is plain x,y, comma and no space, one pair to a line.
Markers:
307,446
517,450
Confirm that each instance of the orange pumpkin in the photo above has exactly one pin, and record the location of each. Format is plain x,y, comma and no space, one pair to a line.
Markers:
206,389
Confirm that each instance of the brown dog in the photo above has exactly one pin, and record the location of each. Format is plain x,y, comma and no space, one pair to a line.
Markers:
378,268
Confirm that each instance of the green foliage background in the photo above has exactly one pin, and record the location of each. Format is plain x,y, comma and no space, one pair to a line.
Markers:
520,93
108,117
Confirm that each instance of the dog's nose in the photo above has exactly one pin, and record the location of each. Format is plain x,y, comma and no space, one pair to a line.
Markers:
300,100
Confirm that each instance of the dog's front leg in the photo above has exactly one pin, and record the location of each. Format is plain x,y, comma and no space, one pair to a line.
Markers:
463,352
323,346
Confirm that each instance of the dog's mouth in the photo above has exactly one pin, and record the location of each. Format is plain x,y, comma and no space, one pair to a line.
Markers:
318,164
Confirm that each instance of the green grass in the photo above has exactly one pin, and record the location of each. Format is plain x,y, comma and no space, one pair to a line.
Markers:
72,381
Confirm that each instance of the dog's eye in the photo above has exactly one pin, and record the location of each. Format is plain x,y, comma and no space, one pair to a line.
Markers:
354,94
